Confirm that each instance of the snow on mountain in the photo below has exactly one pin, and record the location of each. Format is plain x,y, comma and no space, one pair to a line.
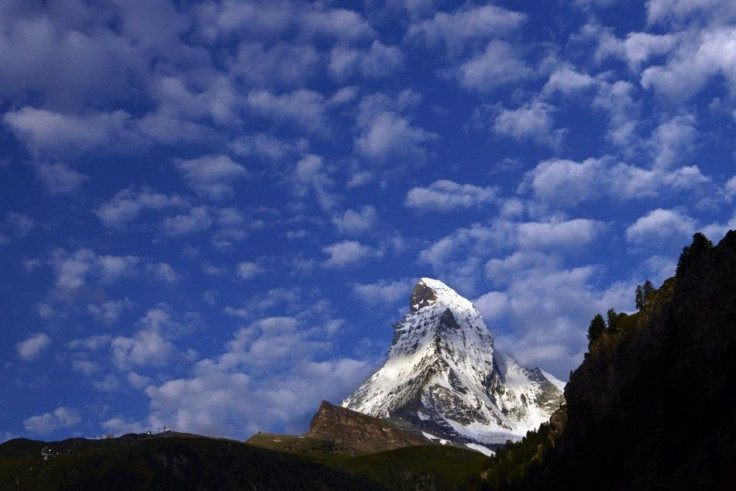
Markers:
443,376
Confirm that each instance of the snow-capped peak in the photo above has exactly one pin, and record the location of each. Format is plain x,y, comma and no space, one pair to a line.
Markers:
442,375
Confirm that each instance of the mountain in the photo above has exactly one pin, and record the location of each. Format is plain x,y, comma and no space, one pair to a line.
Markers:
444,377
652,405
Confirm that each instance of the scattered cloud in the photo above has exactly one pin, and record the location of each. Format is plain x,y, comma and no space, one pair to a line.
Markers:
346,253
445,195
47,423
109,312
126,205
59,178
660,227
532,121
32,347
354,222
212,176
248,270
500,64
198,219
465,26
388,135
383,293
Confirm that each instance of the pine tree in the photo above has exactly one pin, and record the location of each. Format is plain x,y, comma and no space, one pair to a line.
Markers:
640,300
597,328
648,290
612,319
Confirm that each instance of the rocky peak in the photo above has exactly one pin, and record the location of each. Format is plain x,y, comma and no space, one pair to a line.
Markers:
422,295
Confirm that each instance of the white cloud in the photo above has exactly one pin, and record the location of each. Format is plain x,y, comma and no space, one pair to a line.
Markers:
91,343
568,234
144,348
378,61
492,305
271,365
542,323
636,49
662,11
346,253
567,81
619,101
197,220
445,195
388,135
354,222
566,183
109,312
248,270
533,121
212,176
72,269
694,63
500,64
466,25
303,108
163,272
312,175
383,293
32,347
341,24
271,18
113,268
47,131
673,140
128,203
60,178
44,424
660,227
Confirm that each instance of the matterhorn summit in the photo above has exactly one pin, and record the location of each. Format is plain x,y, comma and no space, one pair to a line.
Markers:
444,378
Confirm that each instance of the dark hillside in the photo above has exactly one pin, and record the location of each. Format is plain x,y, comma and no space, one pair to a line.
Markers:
652,406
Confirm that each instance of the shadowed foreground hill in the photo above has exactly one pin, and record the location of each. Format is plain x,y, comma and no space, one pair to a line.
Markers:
176,462
652,406
187,462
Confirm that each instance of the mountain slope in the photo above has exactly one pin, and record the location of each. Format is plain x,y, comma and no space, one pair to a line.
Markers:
444,377
652,405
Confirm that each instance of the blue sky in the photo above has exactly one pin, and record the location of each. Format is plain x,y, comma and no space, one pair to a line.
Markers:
212,212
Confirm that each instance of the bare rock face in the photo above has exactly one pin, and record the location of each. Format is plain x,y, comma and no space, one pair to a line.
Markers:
353,431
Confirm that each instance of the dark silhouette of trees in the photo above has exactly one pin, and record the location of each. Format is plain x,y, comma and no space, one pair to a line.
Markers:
692,253
597,328
643,294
